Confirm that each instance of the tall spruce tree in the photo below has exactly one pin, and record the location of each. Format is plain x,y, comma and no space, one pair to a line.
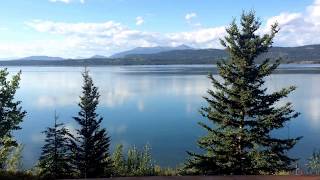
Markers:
92,143
54,161
241,113
11,113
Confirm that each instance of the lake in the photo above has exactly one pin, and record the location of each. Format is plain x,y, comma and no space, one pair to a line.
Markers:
157,105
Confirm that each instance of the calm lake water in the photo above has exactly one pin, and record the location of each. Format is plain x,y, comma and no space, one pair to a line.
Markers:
157,105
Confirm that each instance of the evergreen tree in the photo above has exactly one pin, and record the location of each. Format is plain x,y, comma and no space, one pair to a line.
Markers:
7,144
241,113
11,113
313,163
92,143
118,161
133,161
137,163
147,164
54,161
14,163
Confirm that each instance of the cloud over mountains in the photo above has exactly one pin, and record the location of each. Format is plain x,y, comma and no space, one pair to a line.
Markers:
86,39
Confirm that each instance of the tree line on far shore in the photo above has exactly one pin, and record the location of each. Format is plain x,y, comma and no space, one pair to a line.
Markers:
241,116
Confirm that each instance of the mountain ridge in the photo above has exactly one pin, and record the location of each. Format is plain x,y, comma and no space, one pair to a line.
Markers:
41,58
309,54
97,57
149,50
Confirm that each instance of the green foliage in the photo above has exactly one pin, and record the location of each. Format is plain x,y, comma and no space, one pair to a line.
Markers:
11,113
137,163
14,163
5,150
241,113
55,159
313,164
91,146
159,171
118,161
11,155
146,162
36,170
7,175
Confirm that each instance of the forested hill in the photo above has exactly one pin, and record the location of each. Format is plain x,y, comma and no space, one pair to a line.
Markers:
302,54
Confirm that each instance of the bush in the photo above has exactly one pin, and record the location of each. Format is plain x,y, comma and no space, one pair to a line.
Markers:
314,163
17,175
137,163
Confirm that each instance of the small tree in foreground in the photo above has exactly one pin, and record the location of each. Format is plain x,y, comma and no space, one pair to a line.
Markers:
241,113
14,162
313,163
5,149
136,163
55,159
118,161
11,114
91,145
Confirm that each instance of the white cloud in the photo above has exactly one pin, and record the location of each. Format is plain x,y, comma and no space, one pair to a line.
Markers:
108,28
314,12
201,38
189,16
284,19
190,20
41,47
106,38
300,28
139,20
85,39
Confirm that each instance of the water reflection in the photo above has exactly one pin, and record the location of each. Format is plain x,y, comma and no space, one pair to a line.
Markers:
155,105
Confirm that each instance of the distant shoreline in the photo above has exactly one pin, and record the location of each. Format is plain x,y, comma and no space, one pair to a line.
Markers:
120,62
173,69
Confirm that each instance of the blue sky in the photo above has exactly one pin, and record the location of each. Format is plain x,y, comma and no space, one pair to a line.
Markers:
72,28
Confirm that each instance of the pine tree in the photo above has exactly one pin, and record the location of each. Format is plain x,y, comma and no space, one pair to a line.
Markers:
92,143
118,161
313,163
146,165
137,163
14,163
11,113
7,144
133,161
241,113
54,161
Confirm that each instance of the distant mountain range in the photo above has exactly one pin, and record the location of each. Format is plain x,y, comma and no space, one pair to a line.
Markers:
170,55
301,54
149,50
42,58
98,57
